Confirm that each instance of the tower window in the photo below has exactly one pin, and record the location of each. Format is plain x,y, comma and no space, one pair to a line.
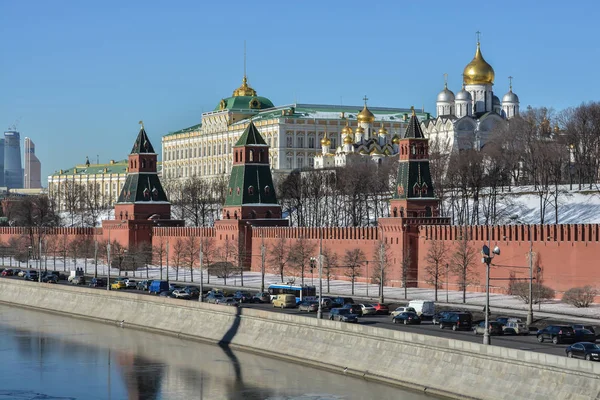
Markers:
250,190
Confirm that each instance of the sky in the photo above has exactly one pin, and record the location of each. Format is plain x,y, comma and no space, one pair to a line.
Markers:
77,76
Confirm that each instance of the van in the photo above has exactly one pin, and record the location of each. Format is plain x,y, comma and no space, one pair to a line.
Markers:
457,321
425,309
158,286
285,301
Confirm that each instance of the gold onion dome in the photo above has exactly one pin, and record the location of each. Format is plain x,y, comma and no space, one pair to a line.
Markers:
360,129
325,141
365,115
345,130
244,90
396,139
478,71
382,130
348,140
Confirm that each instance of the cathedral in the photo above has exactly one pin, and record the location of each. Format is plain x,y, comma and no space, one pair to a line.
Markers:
465,120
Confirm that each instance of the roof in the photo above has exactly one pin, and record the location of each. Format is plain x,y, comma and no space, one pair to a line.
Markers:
251,136
142,188
244,103
413,130
142,143
118,167
250,184
192,128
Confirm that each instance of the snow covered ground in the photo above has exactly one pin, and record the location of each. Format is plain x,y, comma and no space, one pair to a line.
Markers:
252,280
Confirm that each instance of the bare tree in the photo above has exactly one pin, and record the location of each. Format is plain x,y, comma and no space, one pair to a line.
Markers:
300,253
160,251
462,263
225,268
382,262
209,252
178,252
353,262
279,256
93,200
436,255
330,259
191,250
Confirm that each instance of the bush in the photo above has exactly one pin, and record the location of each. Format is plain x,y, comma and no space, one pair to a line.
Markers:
540,292
580,297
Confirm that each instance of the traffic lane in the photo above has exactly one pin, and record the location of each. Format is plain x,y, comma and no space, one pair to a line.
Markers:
526,342
523,342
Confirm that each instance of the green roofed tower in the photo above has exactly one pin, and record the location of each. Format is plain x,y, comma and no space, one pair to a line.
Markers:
414,195
251,193
142,196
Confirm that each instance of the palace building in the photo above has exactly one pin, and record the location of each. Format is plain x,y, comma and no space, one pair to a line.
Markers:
296,134
465,120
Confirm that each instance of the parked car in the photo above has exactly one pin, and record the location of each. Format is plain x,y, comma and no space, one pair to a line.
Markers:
7,272
367,309
130,284
181,294
20,273
588,327
400,310
494,328
193,291
506,320
214,298
31,276
515,328
262,297
406,318
354,308
457,321
61,276
381,309
229,301
119,283
285,301
425,308
50,279
443,314
143,285
78,280
243,297
166,293
556,333
158,287
308,306
584,335
587,350
343,315
97,282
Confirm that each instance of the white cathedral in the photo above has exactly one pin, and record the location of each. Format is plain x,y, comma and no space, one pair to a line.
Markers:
465,120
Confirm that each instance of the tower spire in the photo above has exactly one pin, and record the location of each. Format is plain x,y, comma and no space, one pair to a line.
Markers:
365,99
510,78
244,59
445,80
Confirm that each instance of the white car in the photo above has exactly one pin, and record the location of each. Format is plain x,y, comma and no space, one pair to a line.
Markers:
181,294
400,310
130,284
368,309
21,273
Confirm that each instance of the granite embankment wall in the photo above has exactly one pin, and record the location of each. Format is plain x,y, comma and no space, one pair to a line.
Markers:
454,368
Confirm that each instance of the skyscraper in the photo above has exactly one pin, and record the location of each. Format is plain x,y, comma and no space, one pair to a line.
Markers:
33,168
13,171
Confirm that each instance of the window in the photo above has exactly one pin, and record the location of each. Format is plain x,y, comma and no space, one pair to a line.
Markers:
251,190
288,160
300,142
290,141
267,190
251,155
300,162
311,142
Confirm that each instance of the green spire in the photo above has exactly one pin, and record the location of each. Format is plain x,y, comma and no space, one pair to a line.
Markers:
251,136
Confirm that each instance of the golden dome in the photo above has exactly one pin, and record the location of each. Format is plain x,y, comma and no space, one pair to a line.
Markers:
382,130
325,141
365,115
244,90
396,139
478,71
360,129
348,140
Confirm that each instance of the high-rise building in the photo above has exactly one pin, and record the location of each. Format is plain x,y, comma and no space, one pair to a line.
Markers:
33,168
13,171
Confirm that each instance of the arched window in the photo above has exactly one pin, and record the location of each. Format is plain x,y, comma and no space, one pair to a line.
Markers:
236,156
267,190
227,215
428,211
251,156
250,190
235,216
413,149
395,212
401,212
416,190
260,153
143,163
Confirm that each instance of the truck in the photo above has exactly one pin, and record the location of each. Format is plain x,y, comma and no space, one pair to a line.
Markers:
425,309
158,286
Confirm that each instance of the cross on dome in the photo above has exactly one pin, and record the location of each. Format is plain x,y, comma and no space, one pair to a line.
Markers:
478,36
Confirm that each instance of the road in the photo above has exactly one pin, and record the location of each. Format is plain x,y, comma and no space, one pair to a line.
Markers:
524,342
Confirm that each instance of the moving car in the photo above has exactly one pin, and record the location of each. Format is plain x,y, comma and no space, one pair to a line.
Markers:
406,318
229,301
506,320
158,287
50,279
515,328
215,297
285,301
181,294
7,272
340,301
381,309
457,321
343,315
243,297
367,309
556,333
443,314
584,335
587,350
308,306
354,308
143,285
588,327
262,297
400,310
193,291
130,284
78,280
425,308
97,282
31,276
166,293
495,328
20,273
119,283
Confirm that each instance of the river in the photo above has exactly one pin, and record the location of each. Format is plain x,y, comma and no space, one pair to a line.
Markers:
48,356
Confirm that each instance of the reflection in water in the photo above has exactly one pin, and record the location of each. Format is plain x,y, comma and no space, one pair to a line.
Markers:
53,357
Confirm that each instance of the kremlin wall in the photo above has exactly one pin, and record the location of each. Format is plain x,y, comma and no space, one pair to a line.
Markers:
564,256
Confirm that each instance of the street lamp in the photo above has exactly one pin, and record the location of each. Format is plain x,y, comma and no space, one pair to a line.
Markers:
312,269
200,298
447,268
262,265
320,309
28,255
487,259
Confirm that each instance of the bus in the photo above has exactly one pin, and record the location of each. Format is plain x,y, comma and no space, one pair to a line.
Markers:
302,293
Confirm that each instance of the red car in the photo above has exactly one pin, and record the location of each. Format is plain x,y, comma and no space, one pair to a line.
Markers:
7,272
381,309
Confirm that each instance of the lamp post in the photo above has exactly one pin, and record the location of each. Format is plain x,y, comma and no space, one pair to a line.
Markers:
28,256
200,298
488,255
367,278
108,262
39,261
312,269
447,268
95,258
320,309
167,261
262,267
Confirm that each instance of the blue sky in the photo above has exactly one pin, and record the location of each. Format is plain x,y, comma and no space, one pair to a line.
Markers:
79,75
